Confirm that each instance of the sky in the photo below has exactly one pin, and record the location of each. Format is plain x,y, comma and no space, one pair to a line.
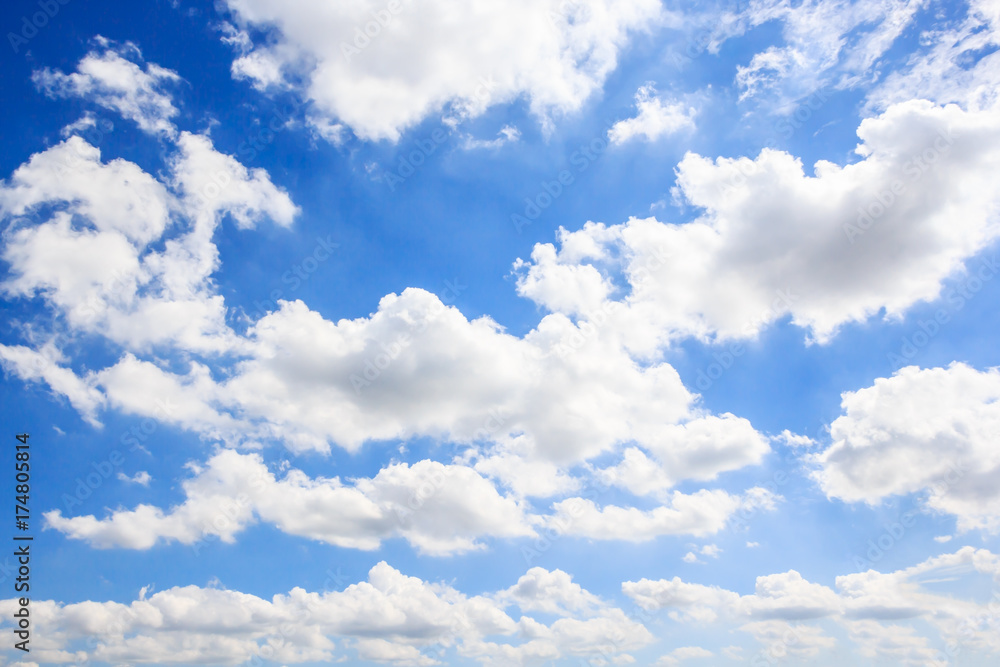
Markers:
545,332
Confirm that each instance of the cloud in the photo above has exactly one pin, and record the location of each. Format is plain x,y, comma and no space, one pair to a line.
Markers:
43,366
922,430
507,134
832,42
84,232
389,617
550,593
113,77
440,509
778,611
376,72
957,64
568,390
840,246
142,478
701,513
676,656
656,118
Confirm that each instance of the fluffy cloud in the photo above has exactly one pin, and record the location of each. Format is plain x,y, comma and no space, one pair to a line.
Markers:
390,618
777,612
701,513
656,118
93,258
112,80
552,592
438,508
391,78
922,430
839,246
562,394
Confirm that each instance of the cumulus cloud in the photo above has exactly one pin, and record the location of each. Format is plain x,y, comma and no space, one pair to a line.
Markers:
781,607
92,254
114,77
839,246
701,513
438,508
922,430
564,393
379,75
552,592
656,118
389,617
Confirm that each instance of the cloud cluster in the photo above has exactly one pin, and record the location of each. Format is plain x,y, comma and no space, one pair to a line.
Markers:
931,431
838,246
371,68
389,618
877,609
439,509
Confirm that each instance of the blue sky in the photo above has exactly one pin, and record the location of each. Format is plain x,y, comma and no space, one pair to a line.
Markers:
579,332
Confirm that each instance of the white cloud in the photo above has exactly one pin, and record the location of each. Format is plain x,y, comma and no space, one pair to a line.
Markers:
389,617
43,365
94,256
552,592
843,245
922,430
701,513
656,118
710,550
831,42
383,82
142,478
701,448
676,656
793,439
112,80
507,134
439,509
778,611
941,70
568,390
